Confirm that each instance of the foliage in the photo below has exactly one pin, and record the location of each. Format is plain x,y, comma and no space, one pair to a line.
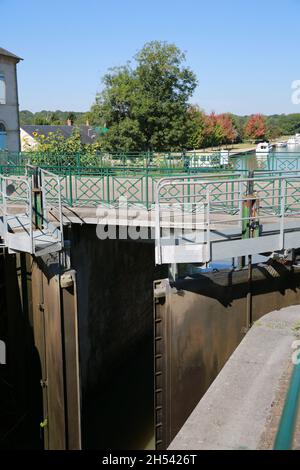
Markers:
51,117
212,130
146,107
256,127
54,147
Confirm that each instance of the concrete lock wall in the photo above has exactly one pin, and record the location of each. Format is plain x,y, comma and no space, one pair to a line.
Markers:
199,323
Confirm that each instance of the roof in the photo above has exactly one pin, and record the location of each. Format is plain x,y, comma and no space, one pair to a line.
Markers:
9,54
87,133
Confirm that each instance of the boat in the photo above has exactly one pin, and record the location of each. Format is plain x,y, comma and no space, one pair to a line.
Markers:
281,144
224,157
264,147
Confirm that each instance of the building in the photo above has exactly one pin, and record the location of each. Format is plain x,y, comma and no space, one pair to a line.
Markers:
9,104
30,132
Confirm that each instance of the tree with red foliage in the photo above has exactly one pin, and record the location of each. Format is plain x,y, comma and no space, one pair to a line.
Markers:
228,132
219,129
256,127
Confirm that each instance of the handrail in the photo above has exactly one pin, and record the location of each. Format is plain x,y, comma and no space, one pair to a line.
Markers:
59,197
276,200
287,424
27,199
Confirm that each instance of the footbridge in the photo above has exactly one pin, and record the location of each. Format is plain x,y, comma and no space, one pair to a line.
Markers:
205,219
194,218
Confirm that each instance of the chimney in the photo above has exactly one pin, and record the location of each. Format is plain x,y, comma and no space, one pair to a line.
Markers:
69,122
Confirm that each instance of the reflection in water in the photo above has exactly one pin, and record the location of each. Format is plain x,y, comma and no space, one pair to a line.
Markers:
281,159
121,414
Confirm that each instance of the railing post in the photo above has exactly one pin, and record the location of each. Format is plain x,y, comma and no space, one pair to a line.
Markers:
282,215
147,188
70,187
107,186
37,200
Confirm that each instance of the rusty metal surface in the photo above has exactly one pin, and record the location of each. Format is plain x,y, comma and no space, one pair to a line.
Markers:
38,317
54,364
71,359
198,324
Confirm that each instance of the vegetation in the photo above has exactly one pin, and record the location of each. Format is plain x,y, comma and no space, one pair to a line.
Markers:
256,127
146,107
53,118
54,149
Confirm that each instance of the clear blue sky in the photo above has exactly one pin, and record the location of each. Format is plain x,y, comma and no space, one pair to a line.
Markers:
244,52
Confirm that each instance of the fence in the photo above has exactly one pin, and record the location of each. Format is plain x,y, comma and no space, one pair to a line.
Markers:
119,160
234,215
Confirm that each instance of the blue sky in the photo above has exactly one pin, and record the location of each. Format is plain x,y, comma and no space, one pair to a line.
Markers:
244,52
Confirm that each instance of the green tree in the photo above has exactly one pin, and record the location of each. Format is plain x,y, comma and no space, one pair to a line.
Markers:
146,107
196,128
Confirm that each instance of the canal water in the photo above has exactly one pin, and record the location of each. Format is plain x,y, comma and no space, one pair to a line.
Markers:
280,159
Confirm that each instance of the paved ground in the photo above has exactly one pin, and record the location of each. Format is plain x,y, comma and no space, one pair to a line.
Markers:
242,408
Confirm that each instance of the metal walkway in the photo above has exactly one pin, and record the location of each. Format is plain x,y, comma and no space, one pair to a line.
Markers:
203,219
31,218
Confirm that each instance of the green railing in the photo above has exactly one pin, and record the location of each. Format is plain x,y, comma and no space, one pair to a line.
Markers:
91,186
290,415
134,176
119,160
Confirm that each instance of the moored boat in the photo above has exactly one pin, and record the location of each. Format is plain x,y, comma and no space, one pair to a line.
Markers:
264,147
292,141
281,144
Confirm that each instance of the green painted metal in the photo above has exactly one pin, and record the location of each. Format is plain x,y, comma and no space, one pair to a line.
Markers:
103,178
286,429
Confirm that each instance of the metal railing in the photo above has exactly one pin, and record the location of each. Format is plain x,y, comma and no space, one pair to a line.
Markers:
16,195
51,192
290,413
207,205
90,186
119,160
32,202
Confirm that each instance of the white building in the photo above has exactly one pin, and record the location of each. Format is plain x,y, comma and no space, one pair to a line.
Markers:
9,104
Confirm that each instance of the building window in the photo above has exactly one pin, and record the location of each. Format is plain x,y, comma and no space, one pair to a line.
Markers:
2,89
2,136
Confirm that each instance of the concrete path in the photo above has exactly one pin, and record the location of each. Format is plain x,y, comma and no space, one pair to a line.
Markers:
242,408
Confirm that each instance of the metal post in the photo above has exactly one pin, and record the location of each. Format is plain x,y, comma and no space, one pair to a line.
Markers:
37,199
173,271
147,188
249,294
70,187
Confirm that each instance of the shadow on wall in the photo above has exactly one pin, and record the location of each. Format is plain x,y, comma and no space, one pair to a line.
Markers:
21,407
115,308
227,286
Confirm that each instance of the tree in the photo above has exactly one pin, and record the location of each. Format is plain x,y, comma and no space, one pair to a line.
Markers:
228,131
256,127
146,107
196,127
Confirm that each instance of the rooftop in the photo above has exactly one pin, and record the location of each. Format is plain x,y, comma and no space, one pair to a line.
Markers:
9,54
87,133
